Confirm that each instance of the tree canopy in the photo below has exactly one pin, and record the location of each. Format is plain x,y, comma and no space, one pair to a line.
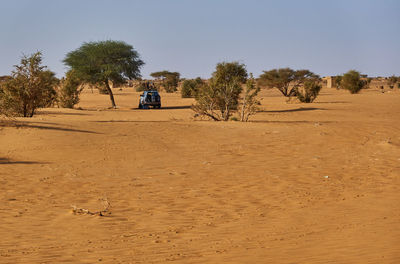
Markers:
168,79
104,61
286,80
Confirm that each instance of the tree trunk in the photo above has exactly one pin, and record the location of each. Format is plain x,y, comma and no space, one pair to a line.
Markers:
111,94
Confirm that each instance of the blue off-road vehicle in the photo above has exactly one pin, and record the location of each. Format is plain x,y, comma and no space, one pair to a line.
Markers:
149,98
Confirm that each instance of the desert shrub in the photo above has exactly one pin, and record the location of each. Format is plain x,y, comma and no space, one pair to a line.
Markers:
219,97
249,102
309,91
190,87
392,80
69,90
169,80
286,80
31,86
338,81
352,82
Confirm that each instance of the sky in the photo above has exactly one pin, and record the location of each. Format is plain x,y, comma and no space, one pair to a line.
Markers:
192,36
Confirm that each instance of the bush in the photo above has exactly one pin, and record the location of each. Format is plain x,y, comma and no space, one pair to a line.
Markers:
352,82
309,91
218,98
190,87
69,91
249,102
30,87
392,81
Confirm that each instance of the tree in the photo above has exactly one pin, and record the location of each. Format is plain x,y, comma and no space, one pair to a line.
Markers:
31,86
218,98
286,80
69,90
352,82
190,87
103,62
168,79
249,102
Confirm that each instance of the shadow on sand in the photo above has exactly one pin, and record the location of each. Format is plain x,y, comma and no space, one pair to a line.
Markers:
39,125
8,161
130,121
61,113
167,108
292,110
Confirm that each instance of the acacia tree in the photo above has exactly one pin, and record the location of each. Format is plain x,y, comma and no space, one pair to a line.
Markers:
219,97
168,79
30,86
103,62
286,80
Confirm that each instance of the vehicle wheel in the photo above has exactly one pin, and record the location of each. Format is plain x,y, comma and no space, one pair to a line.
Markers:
140,106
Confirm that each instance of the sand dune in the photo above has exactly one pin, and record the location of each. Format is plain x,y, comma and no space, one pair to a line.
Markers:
302,183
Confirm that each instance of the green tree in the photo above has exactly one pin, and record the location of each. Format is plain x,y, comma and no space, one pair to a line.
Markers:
286,80
69,90
104,62
249,103
352,82
31,86
190,87
219,97
169,80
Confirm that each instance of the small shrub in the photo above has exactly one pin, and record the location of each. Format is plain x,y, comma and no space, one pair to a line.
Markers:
69,90
190,87
249,103
309,92
351,81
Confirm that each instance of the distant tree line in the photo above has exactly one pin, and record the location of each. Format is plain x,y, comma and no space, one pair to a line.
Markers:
230,94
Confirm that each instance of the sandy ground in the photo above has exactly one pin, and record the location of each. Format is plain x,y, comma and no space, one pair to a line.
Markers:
303,183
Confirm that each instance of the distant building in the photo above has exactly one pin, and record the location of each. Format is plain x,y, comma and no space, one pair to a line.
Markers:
330,81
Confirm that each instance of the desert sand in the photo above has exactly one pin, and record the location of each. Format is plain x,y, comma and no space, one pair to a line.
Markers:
301,183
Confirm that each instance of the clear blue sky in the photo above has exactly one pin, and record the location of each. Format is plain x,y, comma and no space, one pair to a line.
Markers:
192,36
